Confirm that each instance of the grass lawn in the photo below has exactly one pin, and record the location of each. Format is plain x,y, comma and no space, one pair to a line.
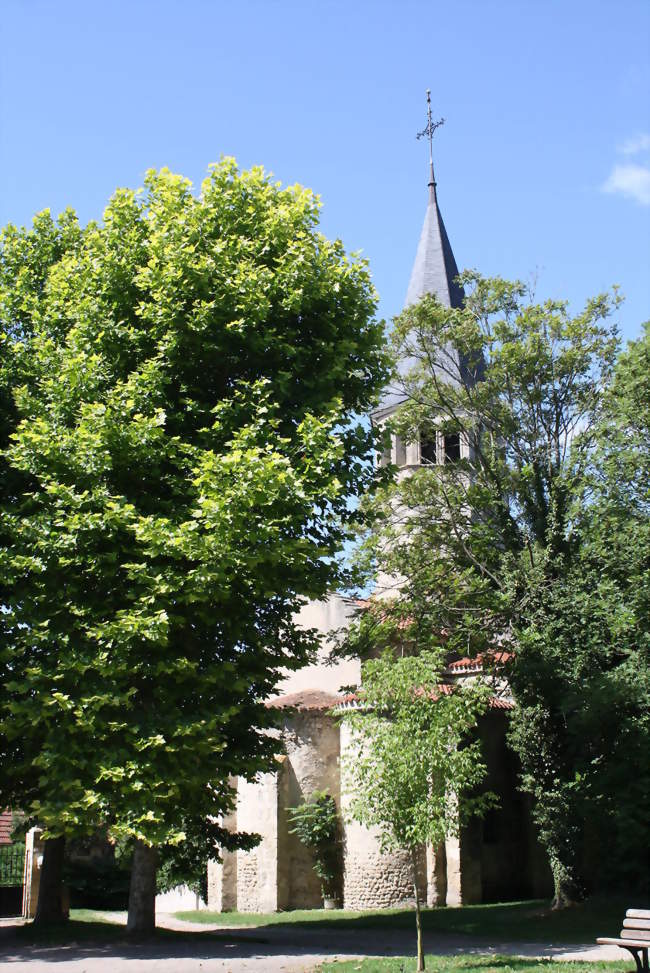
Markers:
515,921
94,915
465,964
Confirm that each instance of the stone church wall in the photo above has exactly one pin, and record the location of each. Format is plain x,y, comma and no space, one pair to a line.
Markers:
311,764
278,873
494,859
373,879
222,876
257,870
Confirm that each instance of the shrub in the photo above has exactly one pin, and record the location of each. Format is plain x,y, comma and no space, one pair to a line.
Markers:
316,823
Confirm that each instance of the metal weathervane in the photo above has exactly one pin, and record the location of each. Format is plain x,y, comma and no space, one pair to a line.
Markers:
428,133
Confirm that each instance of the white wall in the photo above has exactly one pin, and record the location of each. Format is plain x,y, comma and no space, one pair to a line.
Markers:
334,613
180,899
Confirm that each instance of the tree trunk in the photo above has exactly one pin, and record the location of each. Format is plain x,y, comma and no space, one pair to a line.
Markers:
49,908
418,916
567,890
142,891
563,891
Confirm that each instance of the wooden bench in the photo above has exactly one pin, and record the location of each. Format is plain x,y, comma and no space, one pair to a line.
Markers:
635,936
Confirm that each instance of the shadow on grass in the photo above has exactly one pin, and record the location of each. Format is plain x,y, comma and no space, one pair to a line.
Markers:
82,931
531,921
81,939
361,935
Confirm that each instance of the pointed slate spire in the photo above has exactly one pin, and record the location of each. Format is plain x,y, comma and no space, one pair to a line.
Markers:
434,270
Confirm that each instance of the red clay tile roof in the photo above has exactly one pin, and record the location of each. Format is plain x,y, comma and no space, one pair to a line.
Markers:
306,699
477,663
496,702
6,819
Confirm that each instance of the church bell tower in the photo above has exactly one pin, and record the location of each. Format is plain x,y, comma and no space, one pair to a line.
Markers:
434,272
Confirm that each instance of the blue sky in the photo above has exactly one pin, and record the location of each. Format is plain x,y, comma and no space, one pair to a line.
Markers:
543,165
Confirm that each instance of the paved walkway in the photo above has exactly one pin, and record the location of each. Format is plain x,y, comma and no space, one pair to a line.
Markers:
261,949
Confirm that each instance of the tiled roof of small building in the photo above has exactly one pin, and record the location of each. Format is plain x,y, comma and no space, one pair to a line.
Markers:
444,689
6,827
306,699
479,662
498,702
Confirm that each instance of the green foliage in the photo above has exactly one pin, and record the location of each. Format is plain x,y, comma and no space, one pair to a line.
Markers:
516,381
316,823
12,863
413,771
101,881
97,882
191,870
527,543
97,872
186,863
179,393
582,676
621,471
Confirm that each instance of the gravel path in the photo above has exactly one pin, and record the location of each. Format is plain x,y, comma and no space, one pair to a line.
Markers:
262,949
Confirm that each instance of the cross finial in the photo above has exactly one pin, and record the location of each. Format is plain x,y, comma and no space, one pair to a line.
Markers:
428,133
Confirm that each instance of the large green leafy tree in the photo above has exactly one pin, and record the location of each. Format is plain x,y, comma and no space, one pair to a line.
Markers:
582,678
486,548
181,434
25,261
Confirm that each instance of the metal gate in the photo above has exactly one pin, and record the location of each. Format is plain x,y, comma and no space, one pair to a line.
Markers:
12,869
